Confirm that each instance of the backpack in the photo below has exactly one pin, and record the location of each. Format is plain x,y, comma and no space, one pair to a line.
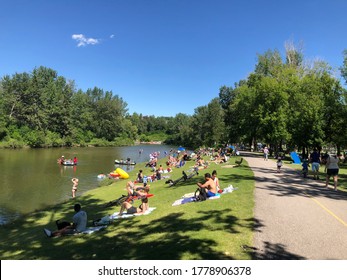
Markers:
61,225
200,194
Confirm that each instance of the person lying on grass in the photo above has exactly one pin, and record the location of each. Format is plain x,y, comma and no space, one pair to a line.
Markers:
79,224
209,184
130,209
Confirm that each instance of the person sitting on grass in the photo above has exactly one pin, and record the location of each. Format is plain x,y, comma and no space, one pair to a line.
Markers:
216,180
136,190
79,224
210,185
130,209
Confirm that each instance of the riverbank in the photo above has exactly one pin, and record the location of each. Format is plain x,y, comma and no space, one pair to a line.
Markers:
214,229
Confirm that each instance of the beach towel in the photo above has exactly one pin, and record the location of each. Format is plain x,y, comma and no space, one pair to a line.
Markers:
189,197
186,199
90,230
110,218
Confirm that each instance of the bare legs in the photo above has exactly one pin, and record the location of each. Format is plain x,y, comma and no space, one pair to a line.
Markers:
335,181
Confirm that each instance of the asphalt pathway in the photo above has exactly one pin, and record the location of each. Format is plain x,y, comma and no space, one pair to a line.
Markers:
296,218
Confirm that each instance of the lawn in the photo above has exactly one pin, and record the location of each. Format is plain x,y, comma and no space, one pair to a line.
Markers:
213,229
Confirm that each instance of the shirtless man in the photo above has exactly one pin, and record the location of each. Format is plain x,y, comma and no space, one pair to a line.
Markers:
209,185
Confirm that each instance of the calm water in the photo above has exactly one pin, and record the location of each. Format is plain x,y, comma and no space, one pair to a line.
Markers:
31,178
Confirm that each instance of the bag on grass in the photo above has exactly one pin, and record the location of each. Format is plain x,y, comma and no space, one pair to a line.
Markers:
63,224
200,194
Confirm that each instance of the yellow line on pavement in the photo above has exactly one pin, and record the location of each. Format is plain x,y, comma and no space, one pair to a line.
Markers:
327,210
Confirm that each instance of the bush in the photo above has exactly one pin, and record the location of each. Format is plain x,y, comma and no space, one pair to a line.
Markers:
53,139
35,139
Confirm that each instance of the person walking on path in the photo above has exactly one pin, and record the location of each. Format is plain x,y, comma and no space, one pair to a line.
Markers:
294,218
315,160
266,153
332,169
279,164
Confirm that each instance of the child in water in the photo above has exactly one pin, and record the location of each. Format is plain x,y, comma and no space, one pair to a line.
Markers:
74,186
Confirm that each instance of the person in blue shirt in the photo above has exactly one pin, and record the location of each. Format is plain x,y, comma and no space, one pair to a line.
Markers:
305,165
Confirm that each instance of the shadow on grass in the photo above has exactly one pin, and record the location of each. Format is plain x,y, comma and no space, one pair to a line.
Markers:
165,238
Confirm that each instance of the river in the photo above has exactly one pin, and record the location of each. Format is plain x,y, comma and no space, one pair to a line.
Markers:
32,179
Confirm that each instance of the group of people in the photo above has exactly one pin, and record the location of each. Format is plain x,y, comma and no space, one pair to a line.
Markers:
62,160
80,218
331,162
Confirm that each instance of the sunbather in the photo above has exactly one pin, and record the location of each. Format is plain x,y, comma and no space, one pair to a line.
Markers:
209,185
130,209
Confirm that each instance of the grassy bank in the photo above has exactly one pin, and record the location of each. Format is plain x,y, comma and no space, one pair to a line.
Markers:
214,229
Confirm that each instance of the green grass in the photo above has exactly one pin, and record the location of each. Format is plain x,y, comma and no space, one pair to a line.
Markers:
213,229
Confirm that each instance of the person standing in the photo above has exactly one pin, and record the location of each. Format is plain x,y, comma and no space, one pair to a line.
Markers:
74,186
332,169
315,160
266,153
279,164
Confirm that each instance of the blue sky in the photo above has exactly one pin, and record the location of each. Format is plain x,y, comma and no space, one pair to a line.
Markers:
163,57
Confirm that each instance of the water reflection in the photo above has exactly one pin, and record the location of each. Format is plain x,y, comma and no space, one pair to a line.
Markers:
31,178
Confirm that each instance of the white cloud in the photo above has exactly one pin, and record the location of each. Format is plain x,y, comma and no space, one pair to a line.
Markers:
112,36
83,40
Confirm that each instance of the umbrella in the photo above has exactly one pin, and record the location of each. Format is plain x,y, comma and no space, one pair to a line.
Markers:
181,149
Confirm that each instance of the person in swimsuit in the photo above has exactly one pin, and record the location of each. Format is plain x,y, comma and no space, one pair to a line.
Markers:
74,186
130,209
209,184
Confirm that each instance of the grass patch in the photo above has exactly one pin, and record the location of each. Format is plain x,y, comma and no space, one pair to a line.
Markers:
213,229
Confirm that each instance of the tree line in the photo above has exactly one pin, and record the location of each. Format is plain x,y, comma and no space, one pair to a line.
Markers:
285,101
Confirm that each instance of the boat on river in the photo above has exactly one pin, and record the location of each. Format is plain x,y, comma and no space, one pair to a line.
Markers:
68,163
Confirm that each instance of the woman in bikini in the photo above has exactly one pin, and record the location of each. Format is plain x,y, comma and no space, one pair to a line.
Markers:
130,209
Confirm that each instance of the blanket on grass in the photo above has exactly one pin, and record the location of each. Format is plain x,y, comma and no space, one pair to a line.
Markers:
90,230
110,218
189,197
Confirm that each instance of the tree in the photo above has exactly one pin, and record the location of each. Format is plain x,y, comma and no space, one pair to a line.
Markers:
343,68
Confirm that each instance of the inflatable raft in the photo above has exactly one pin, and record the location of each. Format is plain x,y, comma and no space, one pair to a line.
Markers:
119,173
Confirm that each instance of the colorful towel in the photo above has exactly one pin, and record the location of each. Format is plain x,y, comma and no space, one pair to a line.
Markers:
189,197
186,199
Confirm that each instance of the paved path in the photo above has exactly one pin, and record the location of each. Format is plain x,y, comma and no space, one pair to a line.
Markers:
296,218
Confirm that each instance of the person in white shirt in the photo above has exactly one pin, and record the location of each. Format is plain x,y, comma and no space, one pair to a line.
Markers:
79,224
332,169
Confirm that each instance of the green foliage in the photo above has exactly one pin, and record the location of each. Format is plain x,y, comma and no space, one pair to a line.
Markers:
283,101
35,139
